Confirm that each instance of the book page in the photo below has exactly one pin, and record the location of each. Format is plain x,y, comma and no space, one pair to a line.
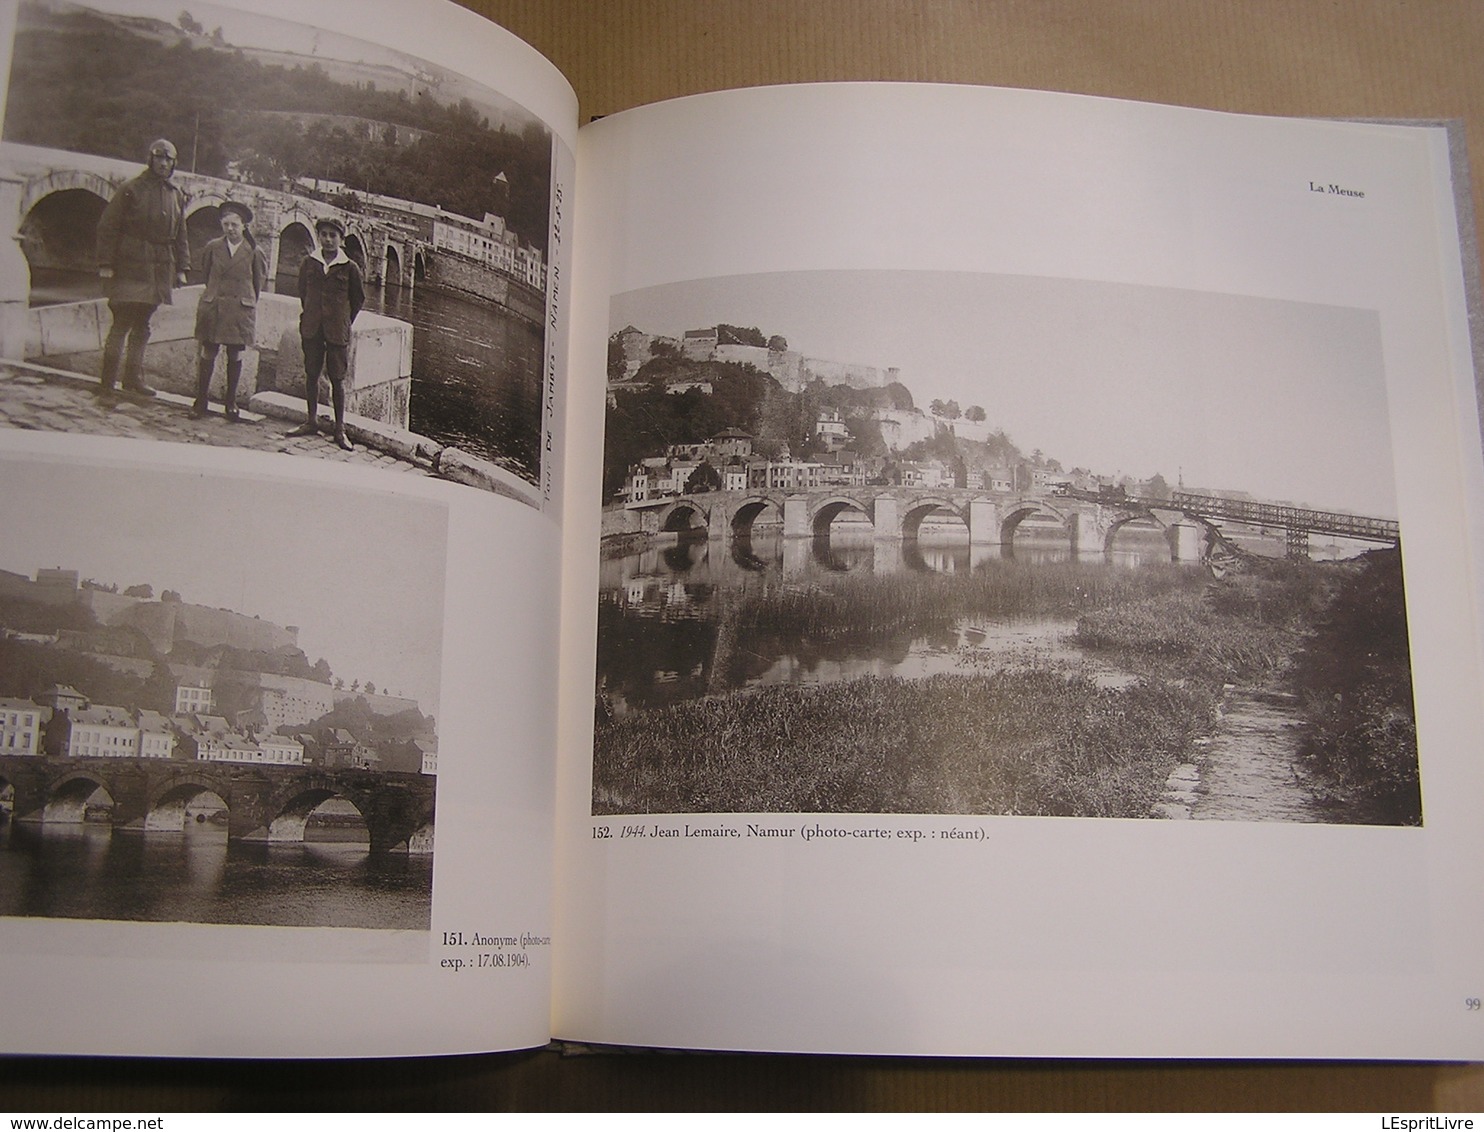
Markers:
284,334
994,573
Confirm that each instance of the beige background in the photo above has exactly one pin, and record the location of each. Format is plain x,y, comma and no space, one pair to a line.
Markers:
1331,58
1313,58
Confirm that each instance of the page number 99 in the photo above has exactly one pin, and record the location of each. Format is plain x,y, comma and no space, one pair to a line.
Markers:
1471,1004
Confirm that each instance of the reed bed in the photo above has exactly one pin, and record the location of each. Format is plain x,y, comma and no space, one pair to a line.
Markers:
1012,743
1036,741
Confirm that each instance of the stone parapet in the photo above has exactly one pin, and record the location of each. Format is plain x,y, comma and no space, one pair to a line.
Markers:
380,375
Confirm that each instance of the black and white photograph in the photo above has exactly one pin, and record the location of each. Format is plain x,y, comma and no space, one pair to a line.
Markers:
218,698
235,230
952,543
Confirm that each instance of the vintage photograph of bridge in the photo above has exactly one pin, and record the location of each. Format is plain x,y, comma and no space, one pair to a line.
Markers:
944,543
182,178
218,698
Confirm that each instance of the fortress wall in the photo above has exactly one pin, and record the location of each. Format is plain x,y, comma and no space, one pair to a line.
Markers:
901,427
380,704
783,365
164,623
758,356
18,585
842,373
155,619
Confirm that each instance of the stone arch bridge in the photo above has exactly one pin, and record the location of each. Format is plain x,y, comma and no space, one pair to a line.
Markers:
899,513
263,803
51,199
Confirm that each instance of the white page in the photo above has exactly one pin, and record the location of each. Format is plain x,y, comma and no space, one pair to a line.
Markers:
415,590
1169,233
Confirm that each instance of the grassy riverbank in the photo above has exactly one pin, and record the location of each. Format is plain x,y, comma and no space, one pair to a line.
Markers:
1012,743
1033,741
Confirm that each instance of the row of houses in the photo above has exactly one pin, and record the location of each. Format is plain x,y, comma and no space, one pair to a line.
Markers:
729,455
63,723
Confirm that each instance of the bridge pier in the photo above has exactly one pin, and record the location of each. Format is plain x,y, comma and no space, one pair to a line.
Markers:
1085,536
1185,541
15,278
796,517
984,523
718,527
886,521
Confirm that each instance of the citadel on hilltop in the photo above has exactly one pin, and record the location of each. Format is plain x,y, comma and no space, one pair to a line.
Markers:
195,682
721,343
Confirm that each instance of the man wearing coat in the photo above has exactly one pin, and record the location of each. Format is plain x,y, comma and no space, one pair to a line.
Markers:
142,257
331,294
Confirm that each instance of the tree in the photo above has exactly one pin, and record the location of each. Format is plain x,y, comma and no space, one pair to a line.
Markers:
615,357
936,407
974,413
1157,487
144,590
189,24
370,688
951,410
170,595
704,478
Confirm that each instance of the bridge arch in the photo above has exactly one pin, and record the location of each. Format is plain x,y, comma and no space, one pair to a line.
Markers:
355,248
913,516
830,508
69,798
58,235
295,241
391,269
65,180
289,811
683,515
170,808
1015,512
1122,519
749,510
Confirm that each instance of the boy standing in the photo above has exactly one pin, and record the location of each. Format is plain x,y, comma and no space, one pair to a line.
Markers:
332,294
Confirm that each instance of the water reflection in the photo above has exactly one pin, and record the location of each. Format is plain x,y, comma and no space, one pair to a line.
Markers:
675,622
88,870
476,374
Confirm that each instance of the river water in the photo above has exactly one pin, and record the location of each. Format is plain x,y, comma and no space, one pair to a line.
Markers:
663,639
1250,768
90,871
476,375
664,636
476,369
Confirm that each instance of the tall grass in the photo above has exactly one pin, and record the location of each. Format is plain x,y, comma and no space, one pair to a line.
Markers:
1012,743
1035,742
1355,679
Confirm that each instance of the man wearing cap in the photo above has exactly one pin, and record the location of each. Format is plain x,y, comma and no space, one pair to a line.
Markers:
332,294
142,257
227,313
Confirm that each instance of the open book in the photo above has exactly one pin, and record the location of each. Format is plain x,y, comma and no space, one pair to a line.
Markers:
878,569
